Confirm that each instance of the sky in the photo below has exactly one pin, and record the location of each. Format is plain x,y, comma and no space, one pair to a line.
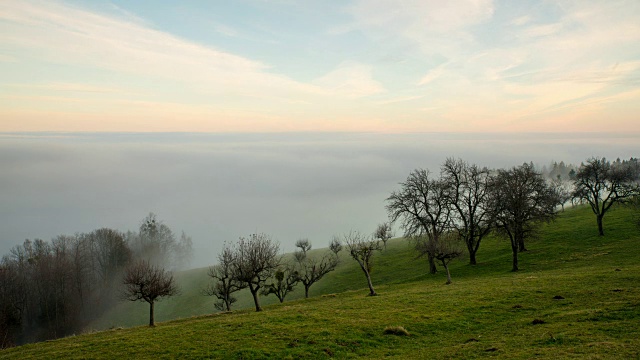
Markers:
334,66
293,118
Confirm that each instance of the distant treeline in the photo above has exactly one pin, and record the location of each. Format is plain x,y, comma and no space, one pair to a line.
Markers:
54,289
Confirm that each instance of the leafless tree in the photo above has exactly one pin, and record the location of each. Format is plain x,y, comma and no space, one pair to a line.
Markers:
56,287
285,279
383,233
522,199
150,283
469,198
183,251
602,184
11,303
157,244
445,249
336,245
304,245
362,250
562,190
256,260
109,253
224,280
422,205
310,269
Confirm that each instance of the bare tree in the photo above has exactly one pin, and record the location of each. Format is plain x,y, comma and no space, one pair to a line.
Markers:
109,252
562,190
256,259
146,282
224,280
183,251
286,279
336,245
53,289
522,199
383,232
602,184
304,245
34,306
422,204
445,249
469,197
157,244
11,303
362,250
310,269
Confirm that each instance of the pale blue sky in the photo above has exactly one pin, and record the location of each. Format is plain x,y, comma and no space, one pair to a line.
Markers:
372,65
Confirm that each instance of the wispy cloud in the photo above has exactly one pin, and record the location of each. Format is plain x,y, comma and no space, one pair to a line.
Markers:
470,65
432,75
67,87
536,65
352,80
70,35
401,99
418,18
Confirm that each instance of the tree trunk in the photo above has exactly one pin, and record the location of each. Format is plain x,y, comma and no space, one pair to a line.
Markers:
152,321
306,291
446,267
432,265
256,299
600,228
521,246
515,258
371,291
472,257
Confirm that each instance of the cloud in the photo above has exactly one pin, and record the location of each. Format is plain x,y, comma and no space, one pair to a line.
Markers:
468,65
541,30
351,80
66,87
521,20
432,75
400,99
418,18
73,35
68,35
524,67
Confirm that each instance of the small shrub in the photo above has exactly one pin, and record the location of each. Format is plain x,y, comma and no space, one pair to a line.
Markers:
396,330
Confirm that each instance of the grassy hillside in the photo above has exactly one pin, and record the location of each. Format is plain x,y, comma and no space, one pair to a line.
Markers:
487,312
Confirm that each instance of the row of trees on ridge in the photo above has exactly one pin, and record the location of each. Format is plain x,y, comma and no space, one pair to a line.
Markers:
441,216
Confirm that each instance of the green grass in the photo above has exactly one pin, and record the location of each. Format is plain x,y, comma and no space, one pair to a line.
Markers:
487,312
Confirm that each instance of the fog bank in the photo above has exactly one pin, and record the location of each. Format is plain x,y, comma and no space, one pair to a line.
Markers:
217,187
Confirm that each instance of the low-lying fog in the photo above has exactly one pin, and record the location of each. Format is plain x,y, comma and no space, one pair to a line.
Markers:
217,187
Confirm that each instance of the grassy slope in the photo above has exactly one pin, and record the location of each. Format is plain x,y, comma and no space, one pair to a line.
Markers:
487,312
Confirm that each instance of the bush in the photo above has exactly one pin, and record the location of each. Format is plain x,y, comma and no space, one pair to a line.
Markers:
396,330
